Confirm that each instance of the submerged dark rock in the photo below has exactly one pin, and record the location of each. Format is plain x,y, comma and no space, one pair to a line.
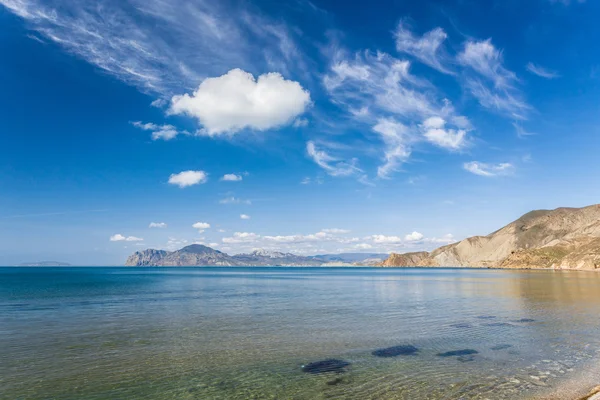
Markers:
525,320
501,347
453,353
329,365
335,381
498,324
462,326
394,351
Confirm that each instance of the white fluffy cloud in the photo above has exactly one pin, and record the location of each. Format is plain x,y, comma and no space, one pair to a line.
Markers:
435,131
331,241
188,178
335,231
446,239
236,100
244,216
427,48
489,170
241,237
268,240
382,239
201,225
164,132
120,238
175,243
413,237
157,225
231,178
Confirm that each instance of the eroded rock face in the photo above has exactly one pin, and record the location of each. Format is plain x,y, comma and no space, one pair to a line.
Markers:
329,365
145,258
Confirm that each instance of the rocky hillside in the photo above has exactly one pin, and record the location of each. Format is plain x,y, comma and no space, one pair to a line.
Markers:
195,254
275,258
421,259
561,238
198,255
146,258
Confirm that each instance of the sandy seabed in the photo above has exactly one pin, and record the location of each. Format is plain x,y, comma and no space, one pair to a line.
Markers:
580,388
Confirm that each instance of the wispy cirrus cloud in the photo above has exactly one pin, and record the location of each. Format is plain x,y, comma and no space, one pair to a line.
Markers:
489,170
332,165
428,48
234,200
397,138
495,87
506,102
163,47
379,91
483,57
541,71
521,131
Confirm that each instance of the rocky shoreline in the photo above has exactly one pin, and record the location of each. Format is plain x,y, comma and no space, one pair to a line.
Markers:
593,395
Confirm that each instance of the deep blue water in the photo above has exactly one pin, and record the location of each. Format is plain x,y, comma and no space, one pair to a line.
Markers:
223,333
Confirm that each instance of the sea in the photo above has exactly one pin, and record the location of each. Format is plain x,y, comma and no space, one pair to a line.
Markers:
297,333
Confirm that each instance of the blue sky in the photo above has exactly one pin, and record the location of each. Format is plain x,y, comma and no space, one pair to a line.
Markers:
310,127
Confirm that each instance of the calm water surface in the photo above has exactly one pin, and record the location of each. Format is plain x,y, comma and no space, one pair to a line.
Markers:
244,333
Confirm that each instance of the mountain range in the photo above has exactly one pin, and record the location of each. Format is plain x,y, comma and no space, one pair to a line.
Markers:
199,255
45,264
564,238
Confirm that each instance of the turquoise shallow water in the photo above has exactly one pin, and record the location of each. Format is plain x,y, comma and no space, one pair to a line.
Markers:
244,333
